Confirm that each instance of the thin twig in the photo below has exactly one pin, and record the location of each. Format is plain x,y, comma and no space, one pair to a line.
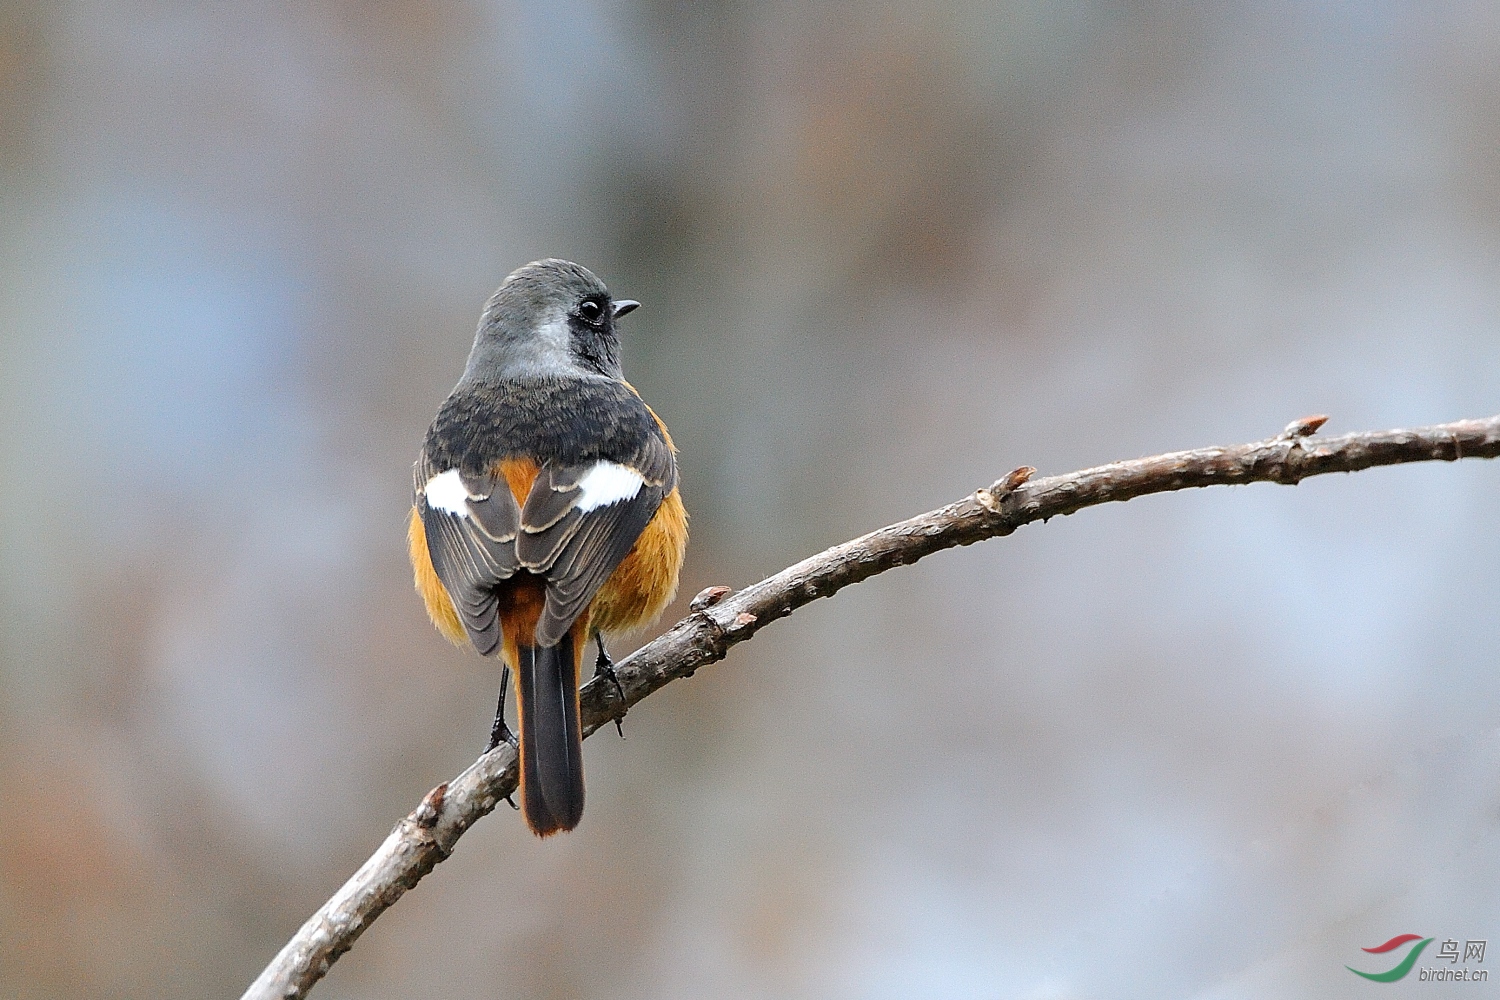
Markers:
720,619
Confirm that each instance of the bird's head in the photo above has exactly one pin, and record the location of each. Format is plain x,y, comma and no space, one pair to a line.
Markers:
551,317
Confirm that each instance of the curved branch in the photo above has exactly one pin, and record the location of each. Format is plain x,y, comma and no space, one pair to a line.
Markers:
428,835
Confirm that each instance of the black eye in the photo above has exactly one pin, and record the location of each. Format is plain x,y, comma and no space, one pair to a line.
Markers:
590,311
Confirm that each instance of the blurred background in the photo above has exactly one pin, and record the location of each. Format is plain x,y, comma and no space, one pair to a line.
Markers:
1199,745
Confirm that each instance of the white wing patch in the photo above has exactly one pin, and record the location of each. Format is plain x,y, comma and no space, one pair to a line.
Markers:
607,483
445,491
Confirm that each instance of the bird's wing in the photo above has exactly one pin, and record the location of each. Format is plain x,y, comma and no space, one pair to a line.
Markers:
471,524
581,519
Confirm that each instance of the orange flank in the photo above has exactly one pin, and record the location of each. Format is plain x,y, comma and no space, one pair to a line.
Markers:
434,594
646,580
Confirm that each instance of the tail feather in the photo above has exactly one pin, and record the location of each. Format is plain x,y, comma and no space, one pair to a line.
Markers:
551,737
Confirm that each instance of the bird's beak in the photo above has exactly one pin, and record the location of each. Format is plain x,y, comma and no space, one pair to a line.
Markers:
623,306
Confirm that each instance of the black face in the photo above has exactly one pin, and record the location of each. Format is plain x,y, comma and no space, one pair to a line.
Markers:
591,326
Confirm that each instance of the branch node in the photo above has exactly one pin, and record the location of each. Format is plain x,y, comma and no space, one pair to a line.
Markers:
718,633
744,620
990,499
1303,427
708,597
426,814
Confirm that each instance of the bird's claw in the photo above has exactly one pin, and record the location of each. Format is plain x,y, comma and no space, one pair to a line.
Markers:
605,667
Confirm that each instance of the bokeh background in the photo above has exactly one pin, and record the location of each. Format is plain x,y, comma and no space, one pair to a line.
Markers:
1201,745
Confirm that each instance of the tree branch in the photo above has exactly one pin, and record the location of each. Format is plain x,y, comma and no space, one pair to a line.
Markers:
720,619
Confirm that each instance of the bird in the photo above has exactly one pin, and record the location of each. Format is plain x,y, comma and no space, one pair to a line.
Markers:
546,514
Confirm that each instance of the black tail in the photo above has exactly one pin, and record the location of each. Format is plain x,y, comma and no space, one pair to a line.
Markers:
551,738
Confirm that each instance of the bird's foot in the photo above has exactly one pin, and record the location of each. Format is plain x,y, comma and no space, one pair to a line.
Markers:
605,667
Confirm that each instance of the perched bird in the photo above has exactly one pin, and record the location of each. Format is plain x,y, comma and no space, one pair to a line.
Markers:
546,512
